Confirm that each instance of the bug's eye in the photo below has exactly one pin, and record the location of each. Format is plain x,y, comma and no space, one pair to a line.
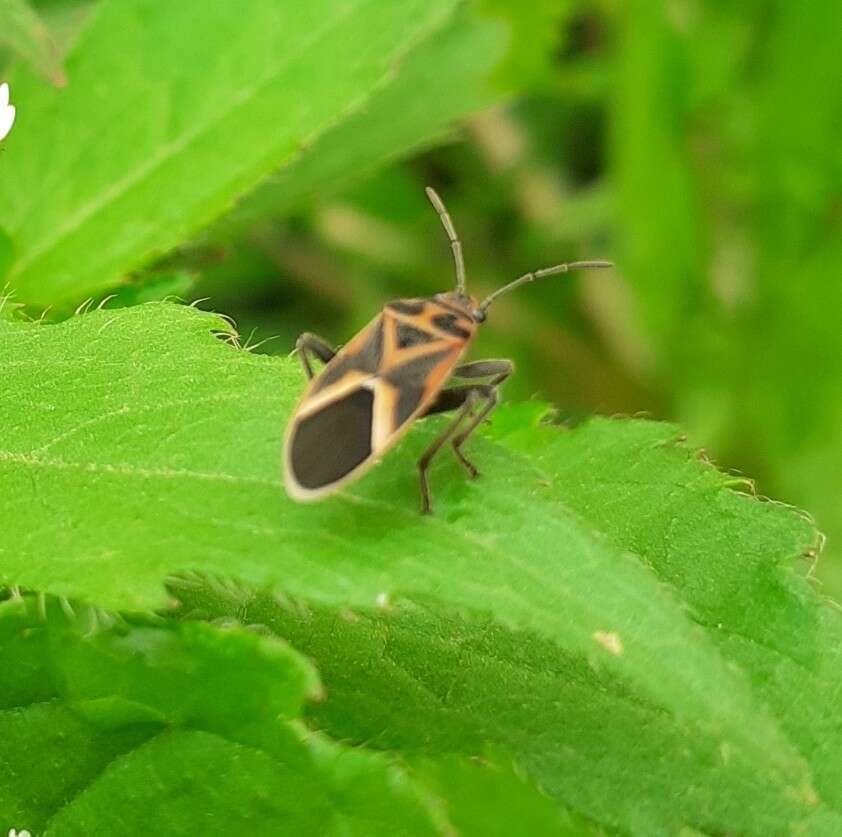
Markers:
479,315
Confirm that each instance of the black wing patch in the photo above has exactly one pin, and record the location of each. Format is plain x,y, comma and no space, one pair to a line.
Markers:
410,336
409,381
407,306
367,359
415,371
330,443
409,397
449,323
370,355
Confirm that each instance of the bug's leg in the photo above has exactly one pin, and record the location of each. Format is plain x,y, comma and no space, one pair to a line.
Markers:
447,400
311,344
464,397
492,398
497,371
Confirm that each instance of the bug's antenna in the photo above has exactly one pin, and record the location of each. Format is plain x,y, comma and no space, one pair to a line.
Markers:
540,274
455,244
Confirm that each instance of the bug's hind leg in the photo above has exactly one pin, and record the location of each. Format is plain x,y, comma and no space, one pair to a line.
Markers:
491,394
311,344
497,371
464,399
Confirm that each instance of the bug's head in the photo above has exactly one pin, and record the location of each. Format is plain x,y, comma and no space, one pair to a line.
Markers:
465,303
476,311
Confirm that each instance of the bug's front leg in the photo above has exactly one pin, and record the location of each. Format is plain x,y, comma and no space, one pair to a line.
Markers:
311,344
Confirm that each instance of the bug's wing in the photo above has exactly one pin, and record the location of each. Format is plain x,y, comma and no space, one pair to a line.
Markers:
329,434
327,445
361,404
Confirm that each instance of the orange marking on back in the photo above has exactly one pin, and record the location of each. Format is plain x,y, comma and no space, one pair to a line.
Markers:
385,431
441,372
310,403
394,357
385,404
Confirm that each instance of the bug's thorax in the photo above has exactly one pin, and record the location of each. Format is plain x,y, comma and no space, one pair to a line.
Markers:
445,316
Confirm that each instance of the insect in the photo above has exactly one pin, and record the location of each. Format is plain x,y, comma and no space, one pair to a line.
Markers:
394,371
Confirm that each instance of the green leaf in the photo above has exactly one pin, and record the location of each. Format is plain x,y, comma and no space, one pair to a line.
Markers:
138,445
536,30
6,252
486,50
444,78
486,798
173,110
23,31
407,678
102,723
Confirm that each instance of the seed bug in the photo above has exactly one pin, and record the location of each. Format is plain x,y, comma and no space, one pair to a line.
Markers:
394,371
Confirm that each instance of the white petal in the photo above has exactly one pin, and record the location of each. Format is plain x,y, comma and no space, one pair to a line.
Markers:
7,118
4,95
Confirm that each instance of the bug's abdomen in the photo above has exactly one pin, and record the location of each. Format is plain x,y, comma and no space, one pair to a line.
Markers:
328,444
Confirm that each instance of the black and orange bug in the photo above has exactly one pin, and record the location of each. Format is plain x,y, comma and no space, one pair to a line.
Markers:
394,371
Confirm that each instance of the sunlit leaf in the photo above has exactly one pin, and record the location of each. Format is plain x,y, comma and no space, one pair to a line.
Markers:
103,723
172,111
120,467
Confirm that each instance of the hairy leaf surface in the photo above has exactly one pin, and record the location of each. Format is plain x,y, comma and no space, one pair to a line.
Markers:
102,723
139,445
